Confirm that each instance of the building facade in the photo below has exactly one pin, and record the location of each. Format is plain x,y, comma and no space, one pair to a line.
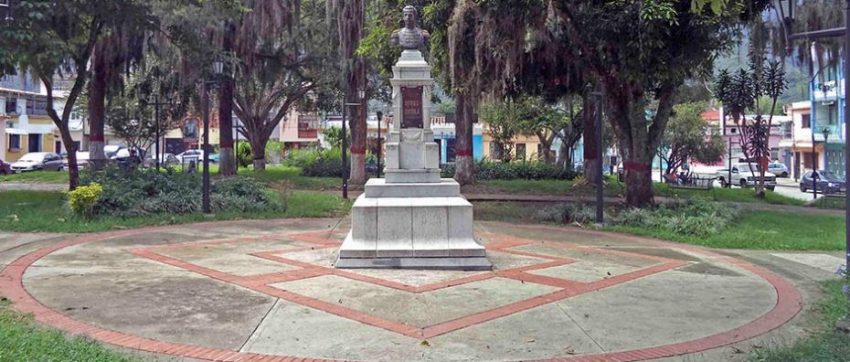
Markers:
826,128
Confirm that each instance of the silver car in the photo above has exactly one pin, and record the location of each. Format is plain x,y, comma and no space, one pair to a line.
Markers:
778,169
39,161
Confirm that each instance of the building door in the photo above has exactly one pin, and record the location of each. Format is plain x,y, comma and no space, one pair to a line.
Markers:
34,143
57,147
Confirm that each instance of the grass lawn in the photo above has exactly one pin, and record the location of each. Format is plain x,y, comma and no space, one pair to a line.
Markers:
614,189
40,211
774,230
59,177
22,340
825,344
726,195
837,203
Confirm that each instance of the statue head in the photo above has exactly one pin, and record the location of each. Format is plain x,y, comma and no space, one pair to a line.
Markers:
410,14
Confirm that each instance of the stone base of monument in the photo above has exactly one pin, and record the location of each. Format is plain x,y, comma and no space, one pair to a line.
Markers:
413,218
412,225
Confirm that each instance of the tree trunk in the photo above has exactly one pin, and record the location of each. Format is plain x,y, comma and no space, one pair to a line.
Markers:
227,162
357,175
97,111
638,182
591,164
71,148
464,163
545,146
637,150
258,150
564,156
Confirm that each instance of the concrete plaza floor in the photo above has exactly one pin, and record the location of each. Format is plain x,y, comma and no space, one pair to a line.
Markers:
246,290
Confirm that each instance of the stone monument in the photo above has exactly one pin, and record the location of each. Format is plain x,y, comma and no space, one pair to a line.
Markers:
412,218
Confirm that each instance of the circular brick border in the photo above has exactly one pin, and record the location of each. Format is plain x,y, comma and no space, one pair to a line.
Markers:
788,304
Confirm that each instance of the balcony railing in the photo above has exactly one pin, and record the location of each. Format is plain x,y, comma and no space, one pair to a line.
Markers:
825,91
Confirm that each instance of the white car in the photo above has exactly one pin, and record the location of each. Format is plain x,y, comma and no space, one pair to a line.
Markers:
744,176
111,151
38,161
195,155
82,159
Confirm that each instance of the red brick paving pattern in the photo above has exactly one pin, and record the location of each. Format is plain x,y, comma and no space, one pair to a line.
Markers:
11,286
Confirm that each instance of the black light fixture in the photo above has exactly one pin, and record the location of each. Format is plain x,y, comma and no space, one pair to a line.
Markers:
218,67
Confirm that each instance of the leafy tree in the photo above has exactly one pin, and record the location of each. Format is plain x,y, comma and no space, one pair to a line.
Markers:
685,138
641,52
119,49
50,38
282,54
350,18
502,119
745,90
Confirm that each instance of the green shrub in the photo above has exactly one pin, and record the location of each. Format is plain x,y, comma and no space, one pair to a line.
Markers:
301,157
328,163
84,199
143,192
489,170
243,195
244,157
693,217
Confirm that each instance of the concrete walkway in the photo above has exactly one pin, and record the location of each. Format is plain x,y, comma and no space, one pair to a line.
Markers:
267,289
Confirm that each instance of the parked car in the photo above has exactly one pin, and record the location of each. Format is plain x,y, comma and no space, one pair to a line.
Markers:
82,159
828,183
165,159
778,169
197,156
111,151
745,176
38,161
5,168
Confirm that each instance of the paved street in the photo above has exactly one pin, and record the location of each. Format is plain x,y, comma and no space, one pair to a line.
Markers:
231,290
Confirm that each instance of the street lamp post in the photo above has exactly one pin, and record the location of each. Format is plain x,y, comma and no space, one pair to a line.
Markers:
825,133
157,102
844,31
218,69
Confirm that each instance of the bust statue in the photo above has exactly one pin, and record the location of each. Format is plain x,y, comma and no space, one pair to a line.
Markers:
410,37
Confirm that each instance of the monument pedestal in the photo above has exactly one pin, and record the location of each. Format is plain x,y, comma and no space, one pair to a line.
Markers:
413,218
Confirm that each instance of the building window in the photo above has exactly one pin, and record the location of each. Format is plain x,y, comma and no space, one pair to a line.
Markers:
807,120
520,151
34,143
11,106
788,130
14,142
495,151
